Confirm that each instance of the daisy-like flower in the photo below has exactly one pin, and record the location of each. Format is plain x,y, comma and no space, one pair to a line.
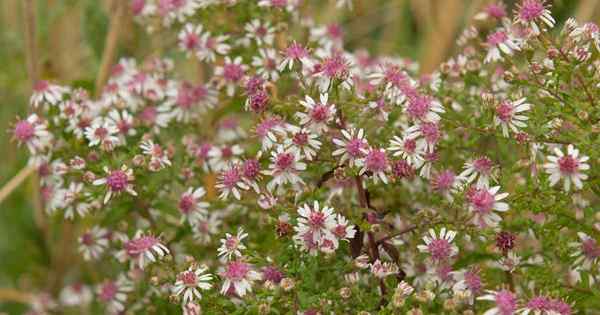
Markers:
587,251
439,247
480,168
159,158
261,33
73,203
190,282
294,52
343,229
124,123
315,222
383,269
496,10
205,228
76,294
500,42
221,157
468,281
537,305
428,131
269,131
231,182
186,101
510,262
351,147
190,39
117,181
531,12
375,162
143,249
113,293
232,246
423,108
239,277
317,115
266,64
46,93
568,166
211,46
284,168
102,132
251,173
177,10
510,115
396,83
93,243
408,149
304,142
32,132
191,206
483,201
446,182
337,68
506,302
231,73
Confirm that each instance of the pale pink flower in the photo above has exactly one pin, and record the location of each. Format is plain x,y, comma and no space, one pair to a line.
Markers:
509,115
506,302
191,206
483,202
351,147
143,249
232,246
531,12
439,247
262,33
317,115
113,293
285,168
238,278
45,92
190,282
117,181
568,166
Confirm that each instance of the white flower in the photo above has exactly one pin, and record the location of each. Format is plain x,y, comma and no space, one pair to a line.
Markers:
114,294
45,92
483,202
481,167
143,249
117,181
262,33
103,132
351,147
231,245
285,167
93,243
509,115
317,115
410,150
266,64
191,206
239,277
190,282
587,251
569,167
440,246
303,141
500,41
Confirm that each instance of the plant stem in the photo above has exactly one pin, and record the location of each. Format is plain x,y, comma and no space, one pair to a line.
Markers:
110,44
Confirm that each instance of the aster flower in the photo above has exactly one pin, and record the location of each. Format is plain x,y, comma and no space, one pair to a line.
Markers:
334,68
351,147
124,123
586,251
498,43
468,283
185,101
446,183
159,158
266,64
317,115
506,302
531,12
284,168
102,132
231,73
232,246
375,161
117,181
32,132
73,203
315,224
191,206
509,262
568,166
113,293
177,10
408,149
238,278
495,10
262,33
211,46
396,83
510,115
423,108
481,169
251,172
439,247
221,157
76,294
294,52
93,243
428,131
230,181
190,282
206,227
383,269
45,92
143,249
303,142
483,201
190,38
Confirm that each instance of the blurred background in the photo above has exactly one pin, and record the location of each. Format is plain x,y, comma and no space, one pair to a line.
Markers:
70,36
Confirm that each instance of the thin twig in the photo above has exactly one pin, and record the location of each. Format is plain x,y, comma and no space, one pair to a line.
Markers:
110,44
14,182
30,42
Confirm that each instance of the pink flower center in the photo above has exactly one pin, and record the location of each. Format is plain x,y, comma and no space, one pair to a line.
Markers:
87,239
108,291
376,161
473,281
24,131
233,72
538,303
506,302
568,164
137,246
496,11
439,249
284,161
300,139
231,177
41,86
101,132
316,219
188,278
431,132
418,107
149,114
137,6
117,180
335,67
482,200
259,101
410,145
354,146
232,243
319,113
497,38
191,41
530,10
251,168
186,203
237,270
295,51
504,111
590,249
443,181
483,165
226,152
